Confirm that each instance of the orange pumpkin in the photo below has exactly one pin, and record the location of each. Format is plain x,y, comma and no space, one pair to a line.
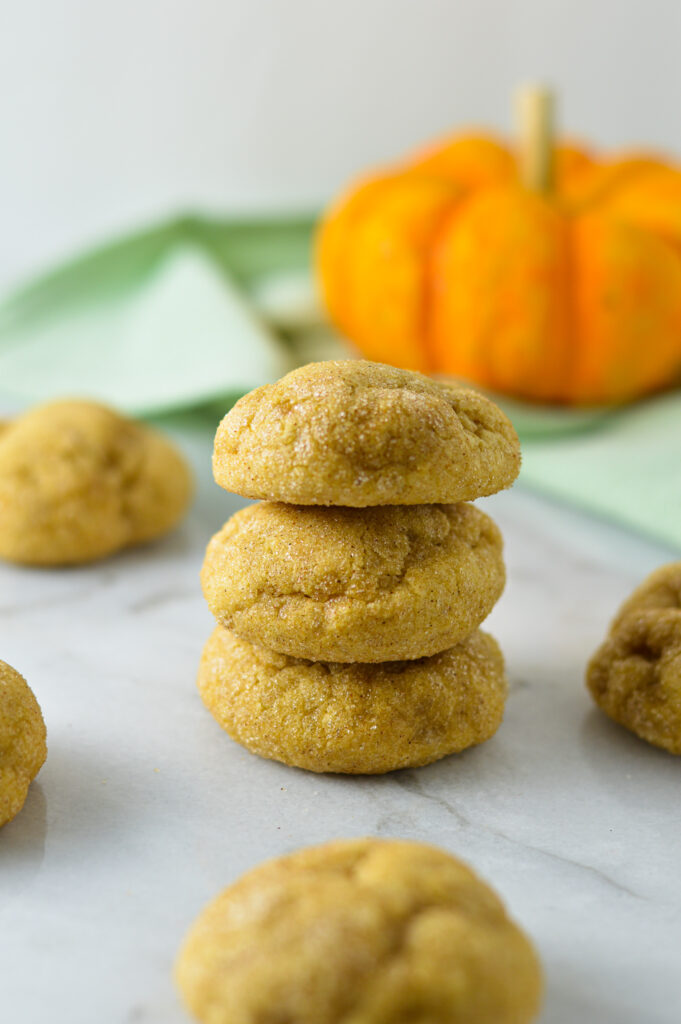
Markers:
449,264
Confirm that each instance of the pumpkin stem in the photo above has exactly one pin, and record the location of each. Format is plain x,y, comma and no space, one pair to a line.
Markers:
535,109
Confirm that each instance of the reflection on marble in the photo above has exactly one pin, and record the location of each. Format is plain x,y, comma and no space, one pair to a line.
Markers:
145,808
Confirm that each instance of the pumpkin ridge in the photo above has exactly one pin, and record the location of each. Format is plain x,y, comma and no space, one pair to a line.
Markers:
332,255
387,258
429,277
449,222
573,346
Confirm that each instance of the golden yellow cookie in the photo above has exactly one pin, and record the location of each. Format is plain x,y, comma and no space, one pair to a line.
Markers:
22,741
635,676
78,482
360,931
662,589
346,584
360,433
359,719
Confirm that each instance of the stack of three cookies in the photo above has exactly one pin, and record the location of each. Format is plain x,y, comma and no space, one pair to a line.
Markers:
348,600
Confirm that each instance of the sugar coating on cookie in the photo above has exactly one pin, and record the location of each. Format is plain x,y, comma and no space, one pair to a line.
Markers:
346,584
362,931
660,590
359,433
22,741
635,676
356,719
78,482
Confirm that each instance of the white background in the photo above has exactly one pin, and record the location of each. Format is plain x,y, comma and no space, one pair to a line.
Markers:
114,113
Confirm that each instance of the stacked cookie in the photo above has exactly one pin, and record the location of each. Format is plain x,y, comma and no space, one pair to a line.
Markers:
348,600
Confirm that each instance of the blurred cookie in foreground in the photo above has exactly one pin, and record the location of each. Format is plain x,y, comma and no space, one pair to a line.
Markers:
356,719
79,482
22,741
361,931
358,433
635,676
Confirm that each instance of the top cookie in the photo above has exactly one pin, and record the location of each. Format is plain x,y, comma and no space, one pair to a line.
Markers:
359,433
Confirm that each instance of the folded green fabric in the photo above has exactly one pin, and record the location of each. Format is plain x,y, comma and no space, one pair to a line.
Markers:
160,320
625,467
197,311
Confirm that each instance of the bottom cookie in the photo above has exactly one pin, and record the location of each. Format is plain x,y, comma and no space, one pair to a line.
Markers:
360,719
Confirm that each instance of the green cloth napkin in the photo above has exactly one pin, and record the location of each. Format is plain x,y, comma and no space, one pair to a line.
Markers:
197,311
624,466
161,320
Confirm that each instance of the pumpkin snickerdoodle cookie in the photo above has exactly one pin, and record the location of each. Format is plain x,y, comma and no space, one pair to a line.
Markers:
361,931
346,584
22,741
78,482
359,433
357,719
660,590
635,675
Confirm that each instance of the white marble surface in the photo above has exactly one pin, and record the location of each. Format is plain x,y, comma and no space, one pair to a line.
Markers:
145,808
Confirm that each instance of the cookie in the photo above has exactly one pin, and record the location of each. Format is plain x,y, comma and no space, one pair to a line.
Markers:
78,482
22,741
345,584
361,931
359,433
635,676
358,719
662,589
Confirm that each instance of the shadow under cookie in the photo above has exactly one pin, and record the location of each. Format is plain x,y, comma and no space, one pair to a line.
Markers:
354,718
